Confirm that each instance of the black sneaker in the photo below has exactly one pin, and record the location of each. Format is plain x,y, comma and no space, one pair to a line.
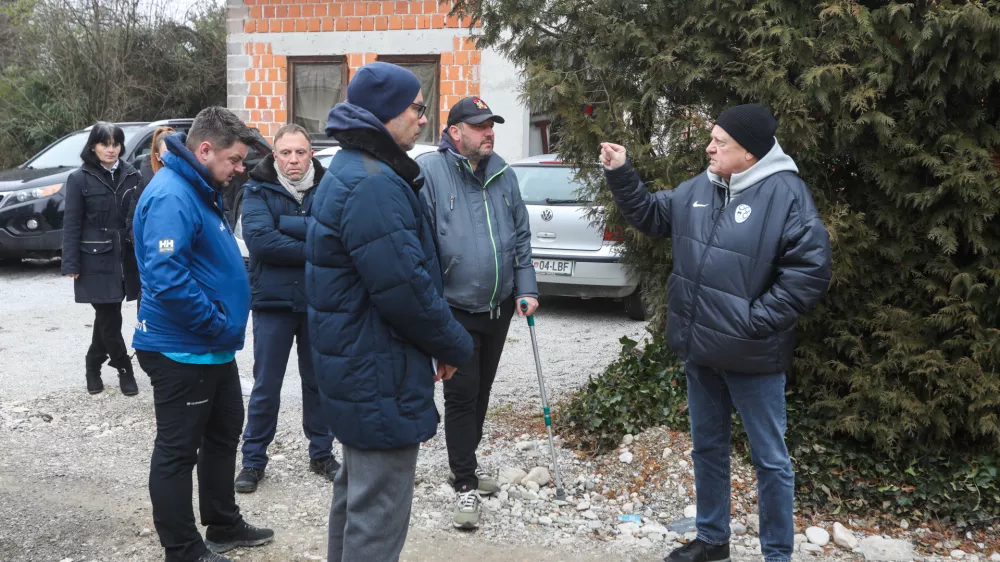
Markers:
242,534
246,482
325,467
699,551
94,383
126,381
213,557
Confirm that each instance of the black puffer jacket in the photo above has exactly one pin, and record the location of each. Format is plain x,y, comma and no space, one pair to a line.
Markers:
750,258
94,233
274,229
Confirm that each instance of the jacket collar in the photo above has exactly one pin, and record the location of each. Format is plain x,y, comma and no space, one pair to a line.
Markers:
265,174
184,163
355,127
773,162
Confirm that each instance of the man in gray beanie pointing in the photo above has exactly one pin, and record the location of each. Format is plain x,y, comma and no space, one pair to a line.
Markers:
751,256
381,331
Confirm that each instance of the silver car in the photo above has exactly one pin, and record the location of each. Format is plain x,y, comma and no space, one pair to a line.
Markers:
572,258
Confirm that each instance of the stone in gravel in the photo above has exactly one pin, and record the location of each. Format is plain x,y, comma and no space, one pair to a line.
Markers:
532,485
995,557
278,458
753,523
800,538
582,506
145,532
627,440
904,524
539,475
626,457
878,549
590,515
811,548
628,529
524,445
818,536
92,428
682,526
691,511
957,554
654,528
628,507
513,475
666,453
645,542
842,536
738,529
545,520
529,495
655,537
503,496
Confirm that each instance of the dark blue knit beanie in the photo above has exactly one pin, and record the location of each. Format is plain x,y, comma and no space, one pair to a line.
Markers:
384,89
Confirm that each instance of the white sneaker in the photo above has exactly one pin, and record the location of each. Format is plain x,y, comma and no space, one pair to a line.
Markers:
468,509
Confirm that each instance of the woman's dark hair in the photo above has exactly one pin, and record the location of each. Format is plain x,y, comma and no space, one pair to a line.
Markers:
102,133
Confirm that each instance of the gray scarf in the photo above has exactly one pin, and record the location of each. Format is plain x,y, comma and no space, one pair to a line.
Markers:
299,188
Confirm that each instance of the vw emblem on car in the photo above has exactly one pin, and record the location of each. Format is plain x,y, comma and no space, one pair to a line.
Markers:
547,215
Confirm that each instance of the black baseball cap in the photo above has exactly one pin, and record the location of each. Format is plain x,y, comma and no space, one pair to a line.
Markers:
472,111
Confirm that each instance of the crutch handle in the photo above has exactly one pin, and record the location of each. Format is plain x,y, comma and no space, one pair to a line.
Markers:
524,308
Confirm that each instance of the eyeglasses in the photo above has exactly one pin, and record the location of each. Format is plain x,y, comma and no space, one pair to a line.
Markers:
421,109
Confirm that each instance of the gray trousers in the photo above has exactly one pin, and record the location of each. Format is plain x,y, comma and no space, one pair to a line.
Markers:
370,514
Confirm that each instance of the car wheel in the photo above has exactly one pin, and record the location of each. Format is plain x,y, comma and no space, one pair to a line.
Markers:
635,308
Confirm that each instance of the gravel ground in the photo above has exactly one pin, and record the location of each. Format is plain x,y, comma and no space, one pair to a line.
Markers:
37,313
73,467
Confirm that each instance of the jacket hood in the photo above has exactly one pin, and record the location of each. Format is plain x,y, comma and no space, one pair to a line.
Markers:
346,116
266,174
773,162
355,127
182,161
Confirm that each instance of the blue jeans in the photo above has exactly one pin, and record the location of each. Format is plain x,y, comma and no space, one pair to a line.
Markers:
273,332
760,401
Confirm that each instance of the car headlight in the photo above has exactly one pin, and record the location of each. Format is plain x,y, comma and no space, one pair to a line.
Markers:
25,195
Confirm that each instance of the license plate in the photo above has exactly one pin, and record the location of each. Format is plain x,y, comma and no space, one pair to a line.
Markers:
553,267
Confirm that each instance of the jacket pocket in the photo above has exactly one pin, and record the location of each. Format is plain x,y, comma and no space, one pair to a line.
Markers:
97,256
97,206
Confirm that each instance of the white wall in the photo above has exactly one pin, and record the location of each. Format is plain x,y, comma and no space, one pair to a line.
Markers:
499,86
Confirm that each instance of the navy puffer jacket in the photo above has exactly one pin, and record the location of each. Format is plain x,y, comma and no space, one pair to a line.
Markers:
750,258
274,229
377,314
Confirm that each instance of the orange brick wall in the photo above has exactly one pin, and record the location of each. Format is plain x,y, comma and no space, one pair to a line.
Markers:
287,16
265,104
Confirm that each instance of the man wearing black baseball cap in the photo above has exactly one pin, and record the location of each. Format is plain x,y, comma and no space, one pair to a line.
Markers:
751,255
484,246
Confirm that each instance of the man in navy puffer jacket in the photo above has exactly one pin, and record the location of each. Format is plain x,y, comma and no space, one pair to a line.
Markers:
195,302
751,256
381,330
276,204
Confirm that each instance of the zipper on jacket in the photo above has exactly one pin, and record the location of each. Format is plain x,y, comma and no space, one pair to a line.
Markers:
697,281
489,227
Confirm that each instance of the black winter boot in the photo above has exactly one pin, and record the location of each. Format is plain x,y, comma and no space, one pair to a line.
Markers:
126,380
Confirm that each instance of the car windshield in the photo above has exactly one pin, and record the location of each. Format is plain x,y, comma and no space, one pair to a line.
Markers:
549,185
66,153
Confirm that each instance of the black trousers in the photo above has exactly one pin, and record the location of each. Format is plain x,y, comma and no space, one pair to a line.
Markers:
199,416
467,393
107,339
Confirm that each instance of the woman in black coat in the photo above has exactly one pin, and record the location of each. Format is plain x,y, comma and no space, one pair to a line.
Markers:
95,252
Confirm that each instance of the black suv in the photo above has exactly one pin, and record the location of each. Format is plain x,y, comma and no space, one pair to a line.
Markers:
32,195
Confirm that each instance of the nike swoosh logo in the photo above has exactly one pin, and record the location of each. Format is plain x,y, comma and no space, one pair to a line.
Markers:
696,204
